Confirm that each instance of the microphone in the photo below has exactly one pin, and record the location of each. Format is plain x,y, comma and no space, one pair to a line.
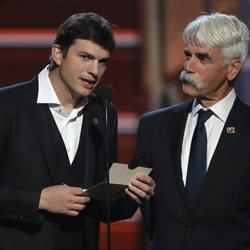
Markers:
105,94
105,97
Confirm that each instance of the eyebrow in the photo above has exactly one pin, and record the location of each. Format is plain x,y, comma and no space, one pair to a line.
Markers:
203,55
92,56
86,53
199,55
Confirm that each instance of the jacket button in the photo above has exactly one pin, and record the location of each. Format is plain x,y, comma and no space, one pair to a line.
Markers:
189,226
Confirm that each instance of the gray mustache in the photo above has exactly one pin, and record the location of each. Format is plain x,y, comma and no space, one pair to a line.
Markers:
187,77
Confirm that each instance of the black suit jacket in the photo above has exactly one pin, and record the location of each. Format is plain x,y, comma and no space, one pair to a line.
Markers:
28,163
221,218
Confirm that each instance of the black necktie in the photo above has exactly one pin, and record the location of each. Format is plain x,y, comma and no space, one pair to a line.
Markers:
198,156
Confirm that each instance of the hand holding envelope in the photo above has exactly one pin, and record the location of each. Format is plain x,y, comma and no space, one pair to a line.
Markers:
120,176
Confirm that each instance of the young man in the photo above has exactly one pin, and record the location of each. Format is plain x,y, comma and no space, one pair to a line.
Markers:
52,146
205,208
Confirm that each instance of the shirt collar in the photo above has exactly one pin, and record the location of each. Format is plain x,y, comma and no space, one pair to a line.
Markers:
47,94
221,109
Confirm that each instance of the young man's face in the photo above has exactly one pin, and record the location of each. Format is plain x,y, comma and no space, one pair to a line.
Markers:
82,68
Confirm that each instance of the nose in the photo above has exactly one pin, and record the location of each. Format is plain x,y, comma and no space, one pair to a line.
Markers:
189,65
93,68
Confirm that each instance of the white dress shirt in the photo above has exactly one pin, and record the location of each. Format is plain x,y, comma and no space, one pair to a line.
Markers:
69,125
214,126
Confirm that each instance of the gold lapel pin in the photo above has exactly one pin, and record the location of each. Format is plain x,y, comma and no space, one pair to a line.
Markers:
96,121
230,130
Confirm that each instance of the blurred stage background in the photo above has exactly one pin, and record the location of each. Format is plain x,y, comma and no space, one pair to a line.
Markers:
143,71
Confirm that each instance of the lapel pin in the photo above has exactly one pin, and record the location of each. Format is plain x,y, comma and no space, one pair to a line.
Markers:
96,121
230,130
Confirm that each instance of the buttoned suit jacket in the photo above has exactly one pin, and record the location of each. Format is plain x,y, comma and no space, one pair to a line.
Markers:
220,219
29,162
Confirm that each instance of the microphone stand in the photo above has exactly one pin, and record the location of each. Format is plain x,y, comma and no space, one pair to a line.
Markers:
105,96
107,177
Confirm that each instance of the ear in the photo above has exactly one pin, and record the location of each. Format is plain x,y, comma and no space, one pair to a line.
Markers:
234,69
56,54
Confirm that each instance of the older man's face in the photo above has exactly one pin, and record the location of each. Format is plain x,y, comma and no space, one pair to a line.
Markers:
205,74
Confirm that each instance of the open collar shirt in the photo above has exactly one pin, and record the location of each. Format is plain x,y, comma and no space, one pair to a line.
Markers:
69,125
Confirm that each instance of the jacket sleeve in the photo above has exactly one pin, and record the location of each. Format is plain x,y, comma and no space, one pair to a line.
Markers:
16,204
143,144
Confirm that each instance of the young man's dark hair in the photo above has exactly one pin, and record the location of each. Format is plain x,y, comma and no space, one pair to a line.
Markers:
87,26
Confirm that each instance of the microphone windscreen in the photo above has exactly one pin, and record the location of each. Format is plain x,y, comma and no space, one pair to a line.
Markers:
105,93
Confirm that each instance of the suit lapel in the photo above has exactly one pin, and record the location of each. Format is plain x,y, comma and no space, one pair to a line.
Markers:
40,116
40,119
231,135
92,139
177,134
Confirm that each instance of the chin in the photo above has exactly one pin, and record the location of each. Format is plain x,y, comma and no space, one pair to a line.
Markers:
86,92
189,89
